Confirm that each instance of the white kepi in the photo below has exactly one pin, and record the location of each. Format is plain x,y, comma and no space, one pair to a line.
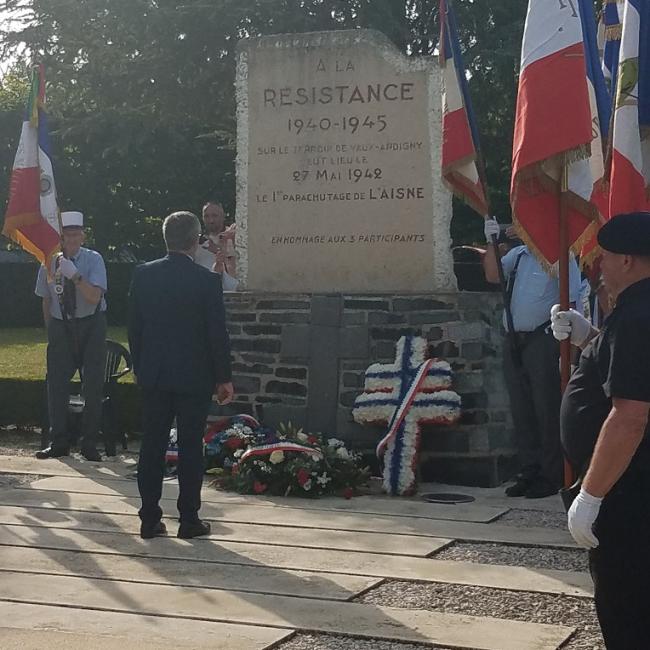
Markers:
72,219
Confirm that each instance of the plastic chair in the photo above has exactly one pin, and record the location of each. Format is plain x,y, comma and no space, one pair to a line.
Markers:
115,355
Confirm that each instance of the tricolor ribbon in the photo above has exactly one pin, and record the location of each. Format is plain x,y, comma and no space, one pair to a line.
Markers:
265,450
403,408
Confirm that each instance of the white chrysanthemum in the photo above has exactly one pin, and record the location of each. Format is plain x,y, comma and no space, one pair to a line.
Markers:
343,453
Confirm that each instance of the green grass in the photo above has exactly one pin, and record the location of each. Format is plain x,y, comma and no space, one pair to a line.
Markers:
22,352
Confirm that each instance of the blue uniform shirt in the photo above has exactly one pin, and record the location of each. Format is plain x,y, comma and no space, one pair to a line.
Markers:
535,291
92,268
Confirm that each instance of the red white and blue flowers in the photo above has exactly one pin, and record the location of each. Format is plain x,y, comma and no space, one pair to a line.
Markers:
406,394
252,459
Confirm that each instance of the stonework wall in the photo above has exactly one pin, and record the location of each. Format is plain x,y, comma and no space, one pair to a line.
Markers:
302,358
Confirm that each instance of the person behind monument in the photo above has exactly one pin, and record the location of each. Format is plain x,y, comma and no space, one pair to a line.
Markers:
216,251
531,364
181,352
606,437
74,314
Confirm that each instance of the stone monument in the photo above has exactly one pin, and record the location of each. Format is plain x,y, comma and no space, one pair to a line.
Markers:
338,169
344,247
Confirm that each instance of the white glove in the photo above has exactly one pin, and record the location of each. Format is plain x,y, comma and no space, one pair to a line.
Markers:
581,518
491,227
67,268
569,323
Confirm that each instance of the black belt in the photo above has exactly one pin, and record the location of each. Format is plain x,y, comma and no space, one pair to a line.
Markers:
522,337
78,320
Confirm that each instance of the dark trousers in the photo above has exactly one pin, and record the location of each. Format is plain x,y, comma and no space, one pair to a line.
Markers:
80,341
620,566
159,408
534,390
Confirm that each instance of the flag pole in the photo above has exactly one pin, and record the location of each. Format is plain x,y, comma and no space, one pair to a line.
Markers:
563,270
510,334
482,207
39,69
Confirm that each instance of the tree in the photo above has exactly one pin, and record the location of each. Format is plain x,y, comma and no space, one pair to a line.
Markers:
142,104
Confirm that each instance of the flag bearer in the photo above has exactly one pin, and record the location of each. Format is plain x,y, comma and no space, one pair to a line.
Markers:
74,314
604,424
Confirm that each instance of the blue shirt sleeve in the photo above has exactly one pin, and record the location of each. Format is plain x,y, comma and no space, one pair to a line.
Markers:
508,260
97,273
575,282
42,290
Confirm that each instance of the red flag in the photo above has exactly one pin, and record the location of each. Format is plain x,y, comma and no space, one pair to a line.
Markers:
460,146
31,219
557,124
630,170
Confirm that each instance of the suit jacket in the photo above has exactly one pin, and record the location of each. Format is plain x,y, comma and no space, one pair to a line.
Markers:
177,326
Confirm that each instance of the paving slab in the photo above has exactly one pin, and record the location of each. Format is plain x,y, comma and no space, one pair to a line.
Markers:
301,518
300,559
253,533
67,466
284,612
490,497
364,504
254,578
34,627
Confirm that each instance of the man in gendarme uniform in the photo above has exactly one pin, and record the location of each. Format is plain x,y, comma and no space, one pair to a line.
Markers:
604,425
74,314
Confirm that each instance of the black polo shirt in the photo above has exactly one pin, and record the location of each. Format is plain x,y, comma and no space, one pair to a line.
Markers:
615,364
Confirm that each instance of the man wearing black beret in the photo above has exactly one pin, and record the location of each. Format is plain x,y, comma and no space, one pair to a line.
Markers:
604,427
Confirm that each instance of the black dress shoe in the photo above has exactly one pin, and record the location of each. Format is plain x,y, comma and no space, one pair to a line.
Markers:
91,454
519,488
540,488
52,452
195,529
149,531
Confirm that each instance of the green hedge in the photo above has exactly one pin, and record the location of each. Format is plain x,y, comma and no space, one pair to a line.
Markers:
20,307
23,402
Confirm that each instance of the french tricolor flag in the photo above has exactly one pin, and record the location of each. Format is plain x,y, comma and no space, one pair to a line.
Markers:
562,112
609,32
630,159
460,144
32,217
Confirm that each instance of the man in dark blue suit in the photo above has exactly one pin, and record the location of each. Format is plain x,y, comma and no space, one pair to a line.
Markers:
181,354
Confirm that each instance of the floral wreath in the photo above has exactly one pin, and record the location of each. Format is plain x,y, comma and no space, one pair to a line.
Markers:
406,394
247,457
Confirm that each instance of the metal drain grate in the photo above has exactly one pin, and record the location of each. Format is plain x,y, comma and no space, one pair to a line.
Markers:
447,497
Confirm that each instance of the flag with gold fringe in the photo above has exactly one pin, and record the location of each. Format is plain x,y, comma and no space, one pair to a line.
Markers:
561,120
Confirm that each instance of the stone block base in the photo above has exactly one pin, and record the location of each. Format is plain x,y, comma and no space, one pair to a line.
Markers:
486,470
302,358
